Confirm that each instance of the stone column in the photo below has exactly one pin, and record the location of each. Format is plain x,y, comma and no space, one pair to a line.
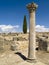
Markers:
32,42
48,46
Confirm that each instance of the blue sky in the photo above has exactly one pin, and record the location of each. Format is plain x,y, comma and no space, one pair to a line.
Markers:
12,13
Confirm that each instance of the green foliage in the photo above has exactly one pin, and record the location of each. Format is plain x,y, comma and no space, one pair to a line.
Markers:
24,25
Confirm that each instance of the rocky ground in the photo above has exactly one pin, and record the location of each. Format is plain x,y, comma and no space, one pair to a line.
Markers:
14,51
19,58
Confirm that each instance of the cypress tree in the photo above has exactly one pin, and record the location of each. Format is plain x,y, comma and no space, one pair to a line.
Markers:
24,25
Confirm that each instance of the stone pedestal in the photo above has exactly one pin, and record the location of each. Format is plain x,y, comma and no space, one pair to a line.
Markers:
32,42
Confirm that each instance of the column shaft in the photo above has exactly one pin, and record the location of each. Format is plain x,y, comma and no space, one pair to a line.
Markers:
32,45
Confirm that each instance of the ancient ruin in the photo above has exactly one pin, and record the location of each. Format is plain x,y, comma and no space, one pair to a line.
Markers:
32,42
18,48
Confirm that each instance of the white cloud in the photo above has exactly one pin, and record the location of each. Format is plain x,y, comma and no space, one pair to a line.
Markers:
27,30
11,28
40,28
8,28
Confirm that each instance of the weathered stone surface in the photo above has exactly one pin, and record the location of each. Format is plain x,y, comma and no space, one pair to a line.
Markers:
43,44
32,41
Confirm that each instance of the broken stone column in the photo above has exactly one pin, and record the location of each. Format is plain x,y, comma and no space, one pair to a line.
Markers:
32,42
48,46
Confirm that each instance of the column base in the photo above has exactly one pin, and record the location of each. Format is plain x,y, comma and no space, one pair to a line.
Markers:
31,60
